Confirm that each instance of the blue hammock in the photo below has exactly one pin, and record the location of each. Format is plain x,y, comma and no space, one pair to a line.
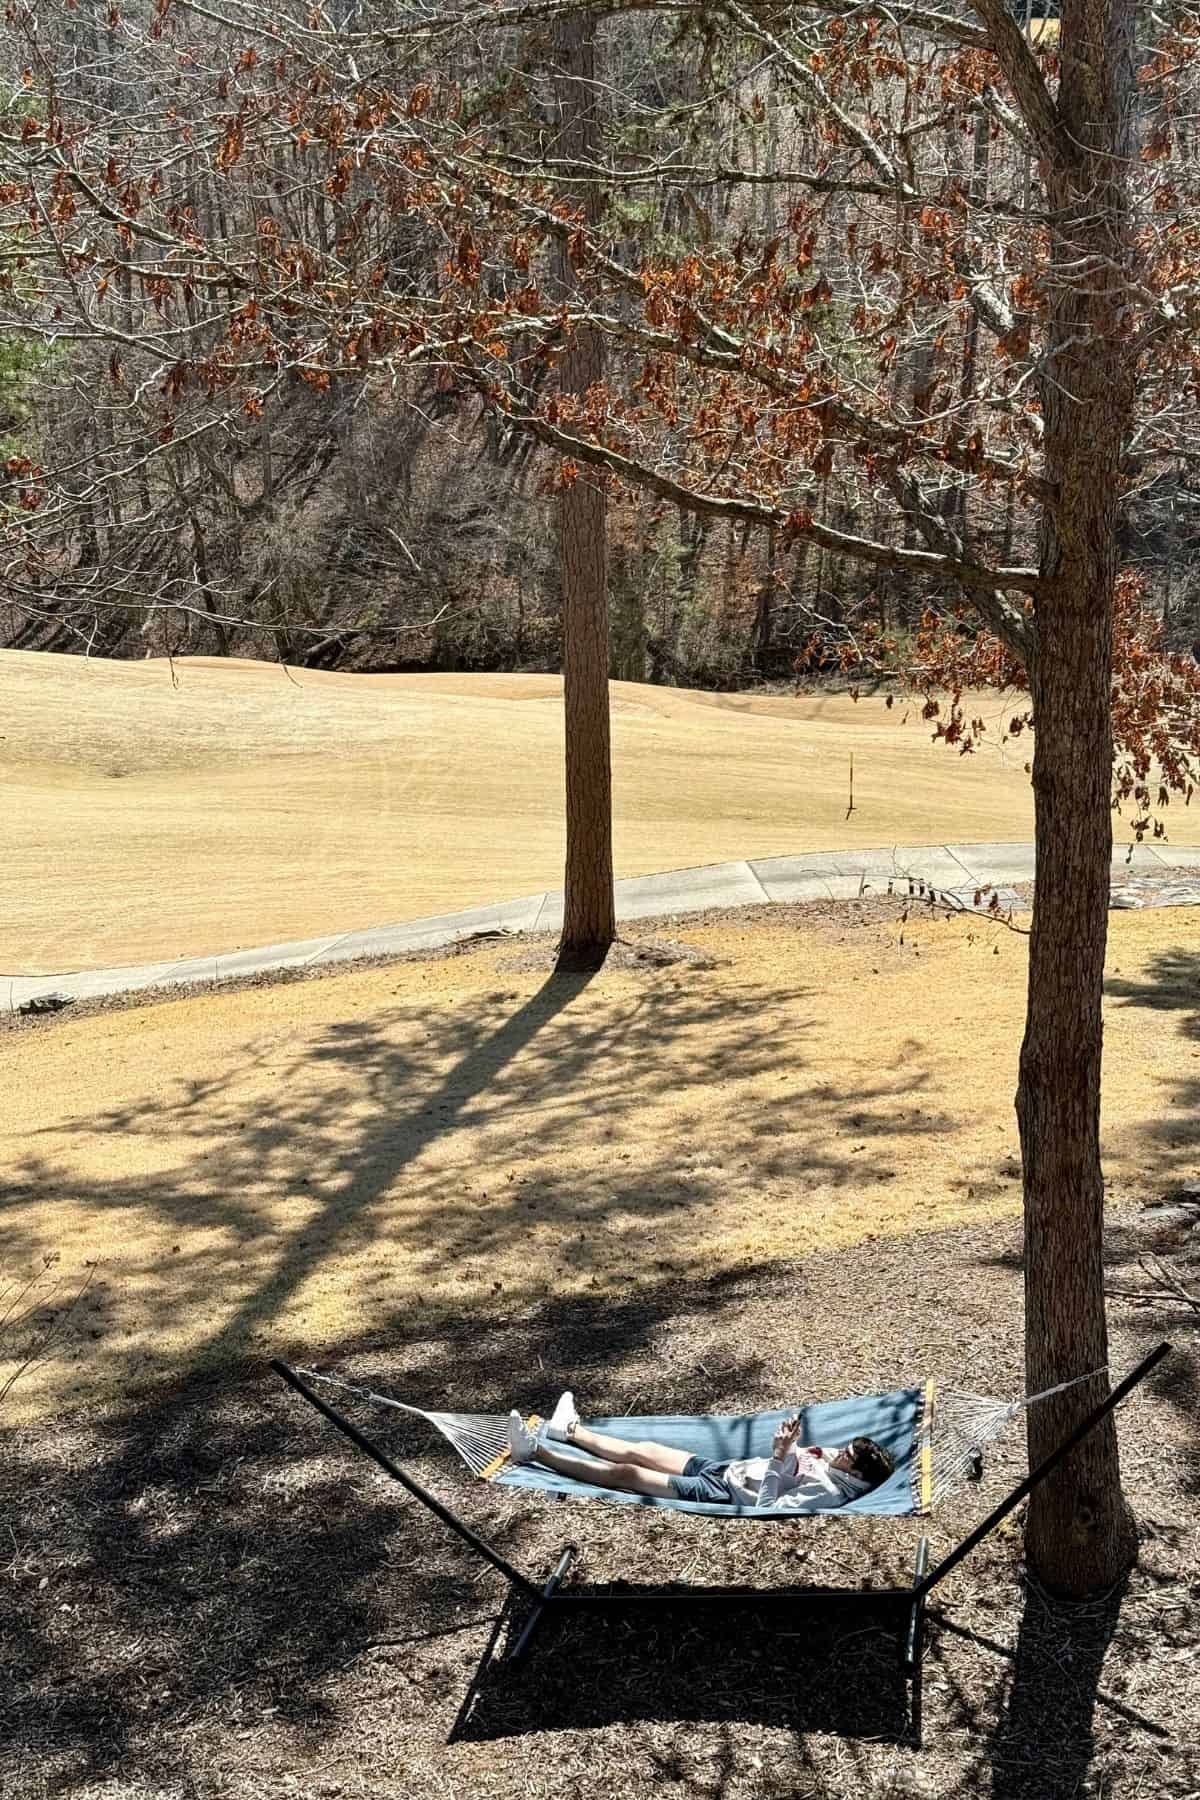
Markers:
901,1421
896,1421
934,1434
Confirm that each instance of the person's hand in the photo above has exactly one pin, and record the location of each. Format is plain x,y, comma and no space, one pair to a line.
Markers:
784,1441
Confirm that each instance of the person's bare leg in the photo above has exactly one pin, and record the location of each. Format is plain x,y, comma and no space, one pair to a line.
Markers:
628,1476
644,1453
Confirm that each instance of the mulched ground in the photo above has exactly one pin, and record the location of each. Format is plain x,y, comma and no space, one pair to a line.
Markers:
210,1596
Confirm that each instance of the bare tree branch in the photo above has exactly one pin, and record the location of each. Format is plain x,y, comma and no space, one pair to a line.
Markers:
795,523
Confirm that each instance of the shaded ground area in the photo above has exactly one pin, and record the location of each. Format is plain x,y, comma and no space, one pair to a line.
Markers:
209,805
208,1595
288,1164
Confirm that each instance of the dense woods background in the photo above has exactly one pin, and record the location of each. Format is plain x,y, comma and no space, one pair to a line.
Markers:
389,518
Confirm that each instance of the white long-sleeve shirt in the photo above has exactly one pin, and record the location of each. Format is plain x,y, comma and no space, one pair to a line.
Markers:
801,1482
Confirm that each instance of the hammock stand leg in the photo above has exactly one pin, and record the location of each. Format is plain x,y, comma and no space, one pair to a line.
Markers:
361,1442
925,1586
570,1552
912,1649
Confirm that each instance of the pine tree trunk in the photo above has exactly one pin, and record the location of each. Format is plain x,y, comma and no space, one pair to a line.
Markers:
1080,1535
589,911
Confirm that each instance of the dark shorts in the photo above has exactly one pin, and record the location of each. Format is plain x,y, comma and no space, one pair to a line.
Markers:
703,1479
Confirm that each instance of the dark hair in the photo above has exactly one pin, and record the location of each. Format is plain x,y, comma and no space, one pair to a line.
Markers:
871,1461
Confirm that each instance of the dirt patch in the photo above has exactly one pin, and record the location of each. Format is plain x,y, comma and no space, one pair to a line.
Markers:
290,1162
211,1596
630,952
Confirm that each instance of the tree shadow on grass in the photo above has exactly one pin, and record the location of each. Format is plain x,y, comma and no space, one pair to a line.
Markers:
1171,984
206,1557
1172,1137
440,1143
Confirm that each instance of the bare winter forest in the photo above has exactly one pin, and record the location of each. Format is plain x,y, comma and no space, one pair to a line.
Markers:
283,292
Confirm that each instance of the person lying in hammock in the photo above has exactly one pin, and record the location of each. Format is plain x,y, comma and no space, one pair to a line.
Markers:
796,1478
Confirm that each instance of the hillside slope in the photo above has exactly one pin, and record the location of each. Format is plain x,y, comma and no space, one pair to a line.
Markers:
157,810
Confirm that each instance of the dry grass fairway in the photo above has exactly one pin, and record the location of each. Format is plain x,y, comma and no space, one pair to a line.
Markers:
288,1166
238,804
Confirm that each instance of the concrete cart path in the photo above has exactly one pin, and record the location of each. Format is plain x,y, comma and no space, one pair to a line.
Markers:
954,873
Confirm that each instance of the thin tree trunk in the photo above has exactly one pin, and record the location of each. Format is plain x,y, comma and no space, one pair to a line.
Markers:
765,610
1080,1535
589,913
770,200
266,463
200,552
977,190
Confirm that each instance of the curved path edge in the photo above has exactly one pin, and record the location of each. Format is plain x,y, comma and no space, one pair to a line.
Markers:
954,873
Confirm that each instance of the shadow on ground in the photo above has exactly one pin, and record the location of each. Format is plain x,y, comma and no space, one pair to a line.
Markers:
1172,984
213,1561
212,1594
1044,1742
205,1589
833,1670
451,1151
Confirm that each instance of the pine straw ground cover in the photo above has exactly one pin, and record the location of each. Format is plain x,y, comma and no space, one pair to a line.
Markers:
209,1595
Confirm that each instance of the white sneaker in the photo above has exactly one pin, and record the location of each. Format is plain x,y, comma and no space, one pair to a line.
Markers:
560,1426
522,1445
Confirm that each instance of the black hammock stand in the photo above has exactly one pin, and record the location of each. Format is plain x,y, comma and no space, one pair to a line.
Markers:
550,1599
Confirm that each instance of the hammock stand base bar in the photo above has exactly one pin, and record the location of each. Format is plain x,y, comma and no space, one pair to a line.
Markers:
907,1603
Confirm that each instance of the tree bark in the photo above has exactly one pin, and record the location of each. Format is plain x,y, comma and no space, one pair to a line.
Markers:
1080,1535
977,183
589,910
765,610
